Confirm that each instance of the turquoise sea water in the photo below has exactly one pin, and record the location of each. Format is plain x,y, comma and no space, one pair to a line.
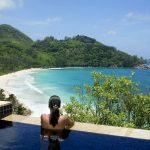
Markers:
63,81
35,88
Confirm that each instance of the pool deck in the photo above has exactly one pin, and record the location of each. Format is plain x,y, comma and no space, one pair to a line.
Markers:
87,127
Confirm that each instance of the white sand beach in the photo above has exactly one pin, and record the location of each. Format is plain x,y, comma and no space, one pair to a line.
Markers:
33,87
4,79
29,92
9,84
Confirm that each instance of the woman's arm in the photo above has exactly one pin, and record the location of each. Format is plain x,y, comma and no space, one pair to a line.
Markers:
69,122
44,120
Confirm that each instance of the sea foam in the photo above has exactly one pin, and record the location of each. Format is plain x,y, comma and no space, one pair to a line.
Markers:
31,86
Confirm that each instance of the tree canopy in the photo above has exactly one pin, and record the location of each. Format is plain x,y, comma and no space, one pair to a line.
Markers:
18,51
111,100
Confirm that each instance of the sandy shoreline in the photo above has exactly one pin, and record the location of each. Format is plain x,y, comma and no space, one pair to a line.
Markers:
6,84
22,85
4,79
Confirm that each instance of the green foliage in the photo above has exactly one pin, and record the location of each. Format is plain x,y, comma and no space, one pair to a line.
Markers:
8,33
2,95
79,112
17,51
111,100
17,107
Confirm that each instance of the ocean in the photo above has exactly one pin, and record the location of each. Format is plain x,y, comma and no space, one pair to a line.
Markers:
35,88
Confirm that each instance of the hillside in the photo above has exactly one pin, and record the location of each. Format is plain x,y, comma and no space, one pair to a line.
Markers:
9,33
84,51
13,45
18,51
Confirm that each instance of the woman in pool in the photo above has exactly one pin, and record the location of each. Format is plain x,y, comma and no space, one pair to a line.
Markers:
54,120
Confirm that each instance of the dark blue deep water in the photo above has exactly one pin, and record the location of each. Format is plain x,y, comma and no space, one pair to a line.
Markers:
19,136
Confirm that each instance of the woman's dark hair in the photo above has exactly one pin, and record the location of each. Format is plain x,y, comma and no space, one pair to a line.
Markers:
54,105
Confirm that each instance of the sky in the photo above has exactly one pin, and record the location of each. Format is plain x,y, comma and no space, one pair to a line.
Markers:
124,24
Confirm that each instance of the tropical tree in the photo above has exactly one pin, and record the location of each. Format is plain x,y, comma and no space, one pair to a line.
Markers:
111,100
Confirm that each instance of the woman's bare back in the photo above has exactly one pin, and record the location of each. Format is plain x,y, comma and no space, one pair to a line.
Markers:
63,122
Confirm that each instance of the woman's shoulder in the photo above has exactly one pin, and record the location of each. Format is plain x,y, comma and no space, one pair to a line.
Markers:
64,117
44,116
68,122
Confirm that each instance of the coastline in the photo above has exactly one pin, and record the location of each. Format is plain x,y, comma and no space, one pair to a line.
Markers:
9,82
4,81
34,96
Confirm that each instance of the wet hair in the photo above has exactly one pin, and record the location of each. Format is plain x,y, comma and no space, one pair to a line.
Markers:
54,105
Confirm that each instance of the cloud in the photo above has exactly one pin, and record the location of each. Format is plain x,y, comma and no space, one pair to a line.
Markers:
111,33
9,4
47,21
6,4
135,17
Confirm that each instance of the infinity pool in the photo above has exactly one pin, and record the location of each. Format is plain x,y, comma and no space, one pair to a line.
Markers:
20,136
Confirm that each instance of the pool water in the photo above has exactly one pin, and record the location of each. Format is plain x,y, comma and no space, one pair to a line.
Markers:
20,136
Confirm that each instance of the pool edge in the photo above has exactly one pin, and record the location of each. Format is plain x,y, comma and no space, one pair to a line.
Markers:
88,127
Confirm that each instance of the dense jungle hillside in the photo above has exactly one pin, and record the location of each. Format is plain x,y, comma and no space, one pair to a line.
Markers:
18,51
